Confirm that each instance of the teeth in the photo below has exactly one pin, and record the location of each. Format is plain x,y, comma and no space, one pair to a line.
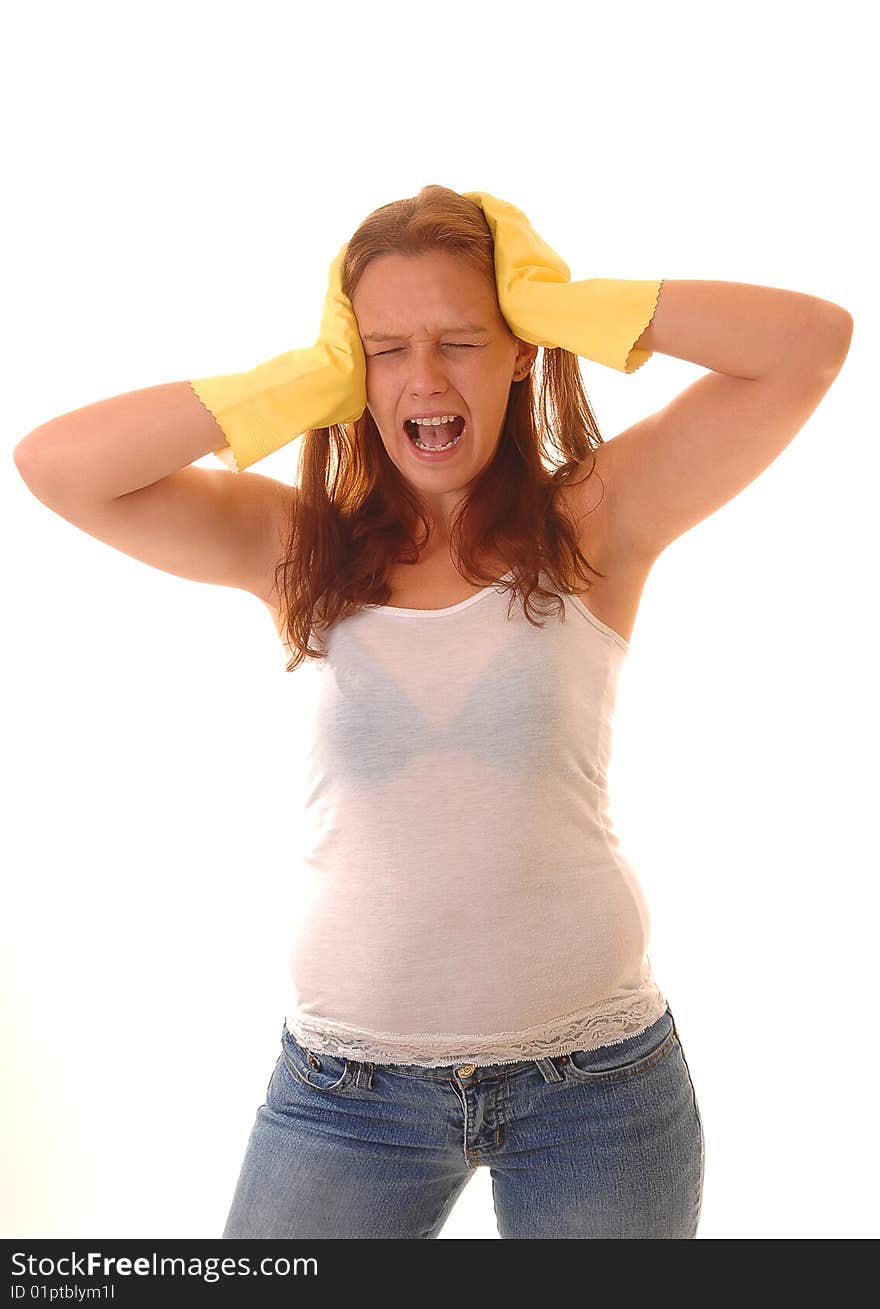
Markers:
455,440
433,422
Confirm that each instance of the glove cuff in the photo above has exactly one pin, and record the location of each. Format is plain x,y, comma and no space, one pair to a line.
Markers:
265,408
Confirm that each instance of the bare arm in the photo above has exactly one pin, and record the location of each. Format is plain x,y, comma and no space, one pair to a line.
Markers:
119,470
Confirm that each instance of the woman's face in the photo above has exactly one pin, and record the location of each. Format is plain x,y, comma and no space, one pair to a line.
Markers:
447,351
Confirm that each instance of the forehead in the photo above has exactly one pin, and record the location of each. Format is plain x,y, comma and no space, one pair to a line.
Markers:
401,295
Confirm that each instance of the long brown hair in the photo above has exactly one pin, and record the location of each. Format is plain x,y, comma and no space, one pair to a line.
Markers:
354,515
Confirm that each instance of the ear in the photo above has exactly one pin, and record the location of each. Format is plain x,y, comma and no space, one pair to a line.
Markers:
526,354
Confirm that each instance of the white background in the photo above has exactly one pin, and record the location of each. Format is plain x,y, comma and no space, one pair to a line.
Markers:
179,178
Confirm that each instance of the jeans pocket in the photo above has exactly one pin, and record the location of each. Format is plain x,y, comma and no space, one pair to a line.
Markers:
621,1060
319,1072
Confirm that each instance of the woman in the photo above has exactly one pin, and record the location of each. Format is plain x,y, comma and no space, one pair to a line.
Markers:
470,968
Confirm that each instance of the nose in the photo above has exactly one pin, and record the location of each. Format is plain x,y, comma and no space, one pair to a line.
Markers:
426,372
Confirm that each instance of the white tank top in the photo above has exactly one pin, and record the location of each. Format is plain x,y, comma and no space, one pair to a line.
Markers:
461,893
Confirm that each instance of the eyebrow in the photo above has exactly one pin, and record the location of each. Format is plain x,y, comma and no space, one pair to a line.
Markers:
389,336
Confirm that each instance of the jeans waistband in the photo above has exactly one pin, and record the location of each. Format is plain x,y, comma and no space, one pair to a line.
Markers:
629,1048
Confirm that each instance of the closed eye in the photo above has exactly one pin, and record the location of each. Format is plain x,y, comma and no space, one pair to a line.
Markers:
451,345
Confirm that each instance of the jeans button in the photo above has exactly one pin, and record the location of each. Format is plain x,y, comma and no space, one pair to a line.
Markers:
466,1069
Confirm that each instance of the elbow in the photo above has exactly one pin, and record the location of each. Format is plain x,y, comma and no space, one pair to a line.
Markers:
24,455
833,334
846,331
33,459
844,321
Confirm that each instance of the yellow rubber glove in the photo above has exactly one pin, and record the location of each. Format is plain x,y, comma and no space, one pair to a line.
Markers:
272,404
599,318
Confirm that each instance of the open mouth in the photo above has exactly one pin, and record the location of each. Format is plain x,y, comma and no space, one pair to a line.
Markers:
435,438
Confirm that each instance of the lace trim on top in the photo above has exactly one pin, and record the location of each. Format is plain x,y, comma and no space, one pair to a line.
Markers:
604,1024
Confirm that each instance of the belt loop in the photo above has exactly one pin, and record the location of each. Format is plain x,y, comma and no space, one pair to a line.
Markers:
363,1073
549,1071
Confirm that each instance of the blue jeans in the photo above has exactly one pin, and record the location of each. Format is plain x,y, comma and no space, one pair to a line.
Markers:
602,1143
